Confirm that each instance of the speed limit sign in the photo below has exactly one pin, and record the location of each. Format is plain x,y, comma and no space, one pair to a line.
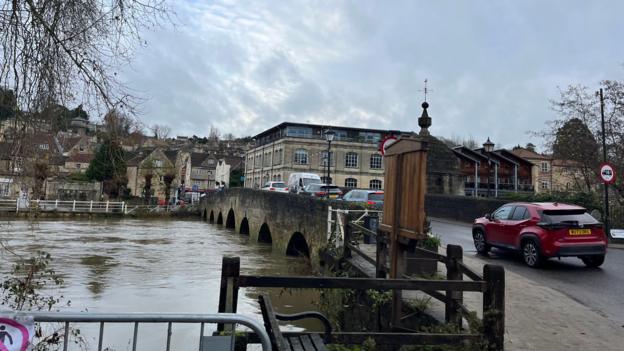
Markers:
607,173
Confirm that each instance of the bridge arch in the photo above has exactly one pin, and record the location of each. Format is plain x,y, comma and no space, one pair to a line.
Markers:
298,246
204,215
220,218
230,221
211,218
244,226
264,236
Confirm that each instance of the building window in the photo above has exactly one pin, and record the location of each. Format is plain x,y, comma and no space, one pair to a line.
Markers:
158,163
545,167
545,185
78,165
257,160
324,158
375,184
375,161
370,137
277,157
326,180
301,157
351,160
299,132
267,159
351,183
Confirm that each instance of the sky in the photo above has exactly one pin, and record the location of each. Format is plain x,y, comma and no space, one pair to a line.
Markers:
492,66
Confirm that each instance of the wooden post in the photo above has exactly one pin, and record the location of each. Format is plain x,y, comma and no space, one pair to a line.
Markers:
17,205
382,255
123,207
452,312
348,233
106,211
91,206
228,294
74,206
494,307
56,204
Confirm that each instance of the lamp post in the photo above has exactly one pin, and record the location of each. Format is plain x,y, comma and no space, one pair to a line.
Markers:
329,136
488,146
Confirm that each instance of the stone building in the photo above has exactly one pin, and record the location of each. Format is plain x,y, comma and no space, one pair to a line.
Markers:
356,161
297,147
551,174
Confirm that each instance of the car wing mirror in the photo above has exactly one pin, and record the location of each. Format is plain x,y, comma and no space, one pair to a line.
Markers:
488,216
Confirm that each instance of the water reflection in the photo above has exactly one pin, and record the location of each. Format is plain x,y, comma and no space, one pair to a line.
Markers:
126,265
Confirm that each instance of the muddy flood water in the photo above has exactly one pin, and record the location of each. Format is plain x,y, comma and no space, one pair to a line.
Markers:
129,265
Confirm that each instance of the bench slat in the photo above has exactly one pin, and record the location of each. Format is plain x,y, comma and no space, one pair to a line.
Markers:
307,343
318,342
295,344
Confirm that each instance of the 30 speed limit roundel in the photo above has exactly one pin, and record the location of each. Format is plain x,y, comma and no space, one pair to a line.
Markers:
607,173
387,141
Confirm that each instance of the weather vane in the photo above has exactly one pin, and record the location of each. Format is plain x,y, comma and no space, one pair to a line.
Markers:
426,90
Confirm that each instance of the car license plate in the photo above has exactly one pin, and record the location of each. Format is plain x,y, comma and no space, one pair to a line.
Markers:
580,231
333,196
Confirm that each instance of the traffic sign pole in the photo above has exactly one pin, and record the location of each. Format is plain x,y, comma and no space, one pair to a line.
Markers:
604,159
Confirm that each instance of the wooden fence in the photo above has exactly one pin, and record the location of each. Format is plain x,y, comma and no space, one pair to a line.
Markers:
492,285
492,279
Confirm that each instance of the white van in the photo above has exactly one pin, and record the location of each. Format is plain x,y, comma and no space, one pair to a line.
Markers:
297,181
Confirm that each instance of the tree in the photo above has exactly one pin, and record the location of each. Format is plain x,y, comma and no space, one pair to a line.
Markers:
109,166
530,147
214,134
60,50
581,104
575,142
8,104
160,131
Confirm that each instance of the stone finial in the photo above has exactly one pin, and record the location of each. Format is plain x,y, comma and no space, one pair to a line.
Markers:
424,121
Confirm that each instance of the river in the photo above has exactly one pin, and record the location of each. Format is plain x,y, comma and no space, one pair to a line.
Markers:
151,265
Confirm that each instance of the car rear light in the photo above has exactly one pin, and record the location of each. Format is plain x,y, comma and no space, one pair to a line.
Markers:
371,202
272,189
285,188
320,193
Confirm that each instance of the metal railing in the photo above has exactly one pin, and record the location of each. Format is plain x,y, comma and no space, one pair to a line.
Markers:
18,205
137,318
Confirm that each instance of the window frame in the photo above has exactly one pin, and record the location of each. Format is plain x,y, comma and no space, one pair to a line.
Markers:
299,154
378,159
354,181
349,161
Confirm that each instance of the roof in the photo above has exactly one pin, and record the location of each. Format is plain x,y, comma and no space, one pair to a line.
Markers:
80,158
69,142
297,124
197,158
528,154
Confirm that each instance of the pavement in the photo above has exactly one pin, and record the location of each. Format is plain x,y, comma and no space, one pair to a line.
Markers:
540,318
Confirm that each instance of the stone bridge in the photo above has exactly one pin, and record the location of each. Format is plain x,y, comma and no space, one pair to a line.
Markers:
297,224
292,224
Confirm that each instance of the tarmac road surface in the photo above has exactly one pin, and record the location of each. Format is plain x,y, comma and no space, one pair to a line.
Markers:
600,289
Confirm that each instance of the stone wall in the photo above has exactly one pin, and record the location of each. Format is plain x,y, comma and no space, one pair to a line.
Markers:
459,208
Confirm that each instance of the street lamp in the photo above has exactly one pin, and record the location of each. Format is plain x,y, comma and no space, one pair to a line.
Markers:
488,146
329,136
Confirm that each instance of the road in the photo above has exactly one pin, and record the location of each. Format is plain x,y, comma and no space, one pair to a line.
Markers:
599,289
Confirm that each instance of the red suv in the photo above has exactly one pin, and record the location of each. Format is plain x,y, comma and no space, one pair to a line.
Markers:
542,230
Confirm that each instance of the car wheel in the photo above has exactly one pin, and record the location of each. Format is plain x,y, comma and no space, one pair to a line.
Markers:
479,242
531,254
593,261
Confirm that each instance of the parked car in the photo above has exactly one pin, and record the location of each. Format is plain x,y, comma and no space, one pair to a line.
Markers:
370,197
542,230
322,190
298,181
279,187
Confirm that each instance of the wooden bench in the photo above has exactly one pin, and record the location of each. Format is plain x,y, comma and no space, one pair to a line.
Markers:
294,341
